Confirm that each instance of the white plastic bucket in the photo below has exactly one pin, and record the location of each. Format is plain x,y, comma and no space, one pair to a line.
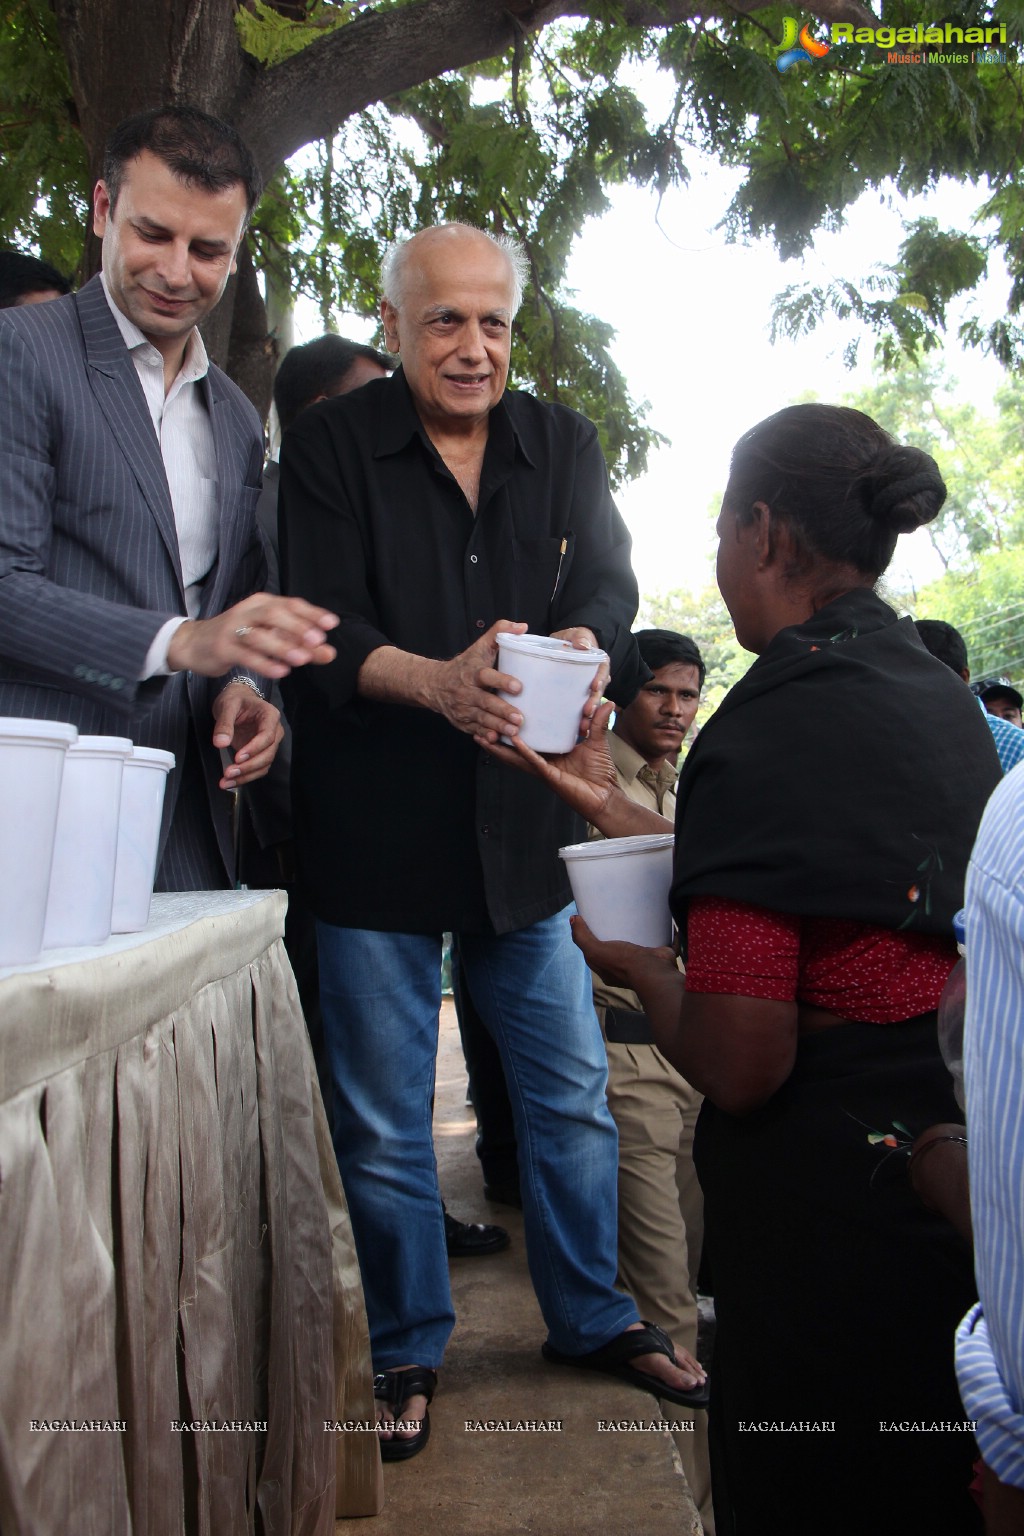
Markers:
556,679
138,836
621,886
32,754
85,849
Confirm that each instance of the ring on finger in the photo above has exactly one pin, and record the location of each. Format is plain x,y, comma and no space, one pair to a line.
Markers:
243,630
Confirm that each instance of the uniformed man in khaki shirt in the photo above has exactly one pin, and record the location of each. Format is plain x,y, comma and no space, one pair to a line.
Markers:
660,1204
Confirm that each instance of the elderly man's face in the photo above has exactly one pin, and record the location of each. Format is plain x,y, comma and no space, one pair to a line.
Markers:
453,331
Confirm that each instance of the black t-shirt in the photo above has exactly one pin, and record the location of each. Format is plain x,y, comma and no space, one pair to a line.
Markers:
401,822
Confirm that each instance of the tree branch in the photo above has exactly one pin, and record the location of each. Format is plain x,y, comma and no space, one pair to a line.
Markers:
311,94
666,13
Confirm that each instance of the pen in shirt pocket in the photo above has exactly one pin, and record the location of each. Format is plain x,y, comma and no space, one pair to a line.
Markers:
561,557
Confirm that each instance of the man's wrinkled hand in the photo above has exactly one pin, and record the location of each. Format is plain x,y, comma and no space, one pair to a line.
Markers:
250,728
265,634
465,689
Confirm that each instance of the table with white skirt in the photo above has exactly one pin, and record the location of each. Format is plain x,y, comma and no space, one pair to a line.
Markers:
183,1324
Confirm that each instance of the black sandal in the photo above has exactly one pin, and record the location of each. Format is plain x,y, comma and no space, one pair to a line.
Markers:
613,1360
395,1388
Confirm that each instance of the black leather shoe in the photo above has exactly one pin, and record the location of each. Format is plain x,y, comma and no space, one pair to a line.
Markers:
506,1193
472,1240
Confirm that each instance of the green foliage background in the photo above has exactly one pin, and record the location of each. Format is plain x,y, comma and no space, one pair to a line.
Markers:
534,141
45,182
986,604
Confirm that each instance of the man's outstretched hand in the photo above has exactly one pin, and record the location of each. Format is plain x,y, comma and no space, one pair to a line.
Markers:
584,777
265,634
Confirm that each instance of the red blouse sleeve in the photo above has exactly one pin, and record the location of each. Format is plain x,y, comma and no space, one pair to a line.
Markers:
741,950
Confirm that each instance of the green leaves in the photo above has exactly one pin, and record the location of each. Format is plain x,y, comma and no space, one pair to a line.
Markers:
44,187
530,141
531,153
981,456
937,265
706,619
530,144
979,534
269,37
903,304
986,606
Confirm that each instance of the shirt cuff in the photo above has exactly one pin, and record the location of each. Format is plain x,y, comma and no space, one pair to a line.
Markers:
155,664
999,1427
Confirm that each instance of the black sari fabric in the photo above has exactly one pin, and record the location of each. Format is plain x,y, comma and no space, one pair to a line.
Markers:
837,1295
844,776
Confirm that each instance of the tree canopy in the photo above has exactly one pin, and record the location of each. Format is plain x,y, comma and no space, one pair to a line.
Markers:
986,604
979,535
981,455
520,115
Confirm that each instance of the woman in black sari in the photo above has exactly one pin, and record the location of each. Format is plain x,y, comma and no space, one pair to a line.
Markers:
825,817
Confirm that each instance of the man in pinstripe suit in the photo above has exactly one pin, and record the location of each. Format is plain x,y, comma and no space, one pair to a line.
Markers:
130,562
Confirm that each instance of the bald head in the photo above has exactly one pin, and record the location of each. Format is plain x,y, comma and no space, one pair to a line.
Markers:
450,296
449,244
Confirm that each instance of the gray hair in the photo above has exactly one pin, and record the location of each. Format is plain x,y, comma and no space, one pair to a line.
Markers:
392,269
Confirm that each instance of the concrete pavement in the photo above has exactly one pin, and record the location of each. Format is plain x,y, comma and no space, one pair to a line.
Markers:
576,1481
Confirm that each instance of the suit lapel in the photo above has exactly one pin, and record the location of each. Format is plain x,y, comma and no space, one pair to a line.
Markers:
120,397
220,444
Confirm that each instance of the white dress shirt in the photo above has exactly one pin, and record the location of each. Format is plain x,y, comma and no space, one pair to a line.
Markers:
185,434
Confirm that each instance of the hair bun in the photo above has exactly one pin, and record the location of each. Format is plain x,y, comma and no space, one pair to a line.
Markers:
908,490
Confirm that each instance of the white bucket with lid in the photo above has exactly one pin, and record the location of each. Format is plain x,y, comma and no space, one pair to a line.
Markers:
85,850
32,754
621,886
556,679
138,836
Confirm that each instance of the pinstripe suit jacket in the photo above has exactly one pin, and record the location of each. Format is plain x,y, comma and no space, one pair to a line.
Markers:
89,566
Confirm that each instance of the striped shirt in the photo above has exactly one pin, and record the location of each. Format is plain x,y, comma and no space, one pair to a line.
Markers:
990,1340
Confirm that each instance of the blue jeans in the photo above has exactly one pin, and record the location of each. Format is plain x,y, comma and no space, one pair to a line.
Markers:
381,994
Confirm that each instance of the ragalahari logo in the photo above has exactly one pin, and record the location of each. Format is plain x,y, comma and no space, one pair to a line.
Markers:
797,43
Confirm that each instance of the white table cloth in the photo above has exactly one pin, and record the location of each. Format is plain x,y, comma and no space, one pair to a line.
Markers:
174,1243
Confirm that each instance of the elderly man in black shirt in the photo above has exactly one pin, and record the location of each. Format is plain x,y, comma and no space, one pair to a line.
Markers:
431,511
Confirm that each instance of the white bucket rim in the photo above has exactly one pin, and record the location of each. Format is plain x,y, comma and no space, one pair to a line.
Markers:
47,732
616,847
102,746
551,649
151,757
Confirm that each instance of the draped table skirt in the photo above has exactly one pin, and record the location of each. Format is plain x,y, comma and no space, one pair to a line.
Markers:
183,1319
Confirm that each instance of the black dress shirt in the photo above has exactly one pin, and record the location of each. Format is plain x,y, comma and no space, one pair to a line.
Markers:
401,822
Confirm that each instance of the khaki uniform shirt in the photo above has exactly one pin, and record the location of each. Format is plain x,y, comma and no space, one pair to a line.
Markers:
657,791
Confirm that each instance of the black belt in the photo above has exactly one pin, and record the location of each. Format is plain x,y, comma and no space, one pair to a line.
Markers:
627,1026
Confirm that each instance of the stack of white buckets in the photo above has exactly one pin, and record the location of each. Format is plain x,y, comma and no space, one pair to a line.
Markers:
79,833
